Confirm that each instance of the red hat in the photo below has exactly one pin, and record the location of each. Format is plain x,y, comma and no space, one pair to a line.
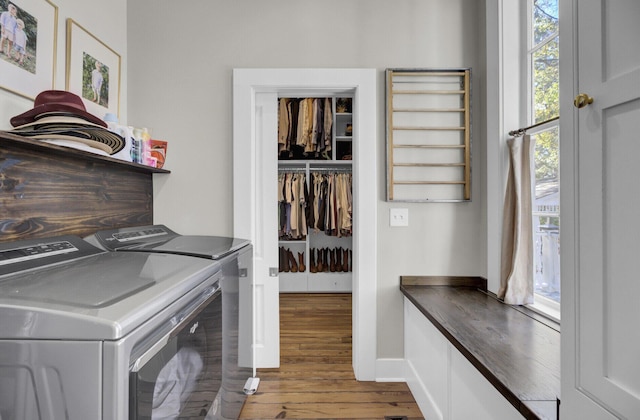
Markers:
56,102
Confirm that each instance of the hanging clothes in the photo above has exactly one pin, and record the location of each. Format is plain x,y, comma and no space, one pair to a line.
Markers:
293,108
305,127
328,123
283,125
345,202
292,206
332,205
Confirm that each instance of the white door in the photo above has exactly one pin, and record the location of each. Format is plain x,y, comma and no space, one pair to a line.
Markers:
600,147
256,218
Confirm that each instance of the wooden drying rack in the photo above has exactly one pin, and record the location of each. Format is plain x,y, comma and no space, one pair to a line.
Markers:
428,135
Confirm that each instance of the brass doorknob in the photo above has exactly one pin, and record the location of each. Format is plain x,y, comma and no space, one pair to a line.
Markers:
582,100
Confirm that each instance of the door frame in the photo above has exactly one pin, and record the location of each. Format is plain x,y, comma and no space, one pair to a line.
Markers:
362,83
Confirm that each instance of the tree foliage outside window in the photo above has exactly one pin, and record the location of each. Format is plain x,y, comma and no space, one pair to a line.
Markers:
544,79
545,83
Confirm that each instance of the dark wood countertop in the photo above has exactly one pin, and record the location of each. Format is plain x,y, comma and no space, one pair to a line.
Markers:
516,352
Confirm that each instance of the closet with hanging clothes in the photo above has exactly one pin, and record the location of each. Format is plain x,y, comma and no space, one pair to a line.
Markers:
315,195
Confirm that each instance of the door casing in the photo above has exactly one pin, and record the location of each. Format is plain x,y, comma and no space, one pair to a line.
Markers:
361,83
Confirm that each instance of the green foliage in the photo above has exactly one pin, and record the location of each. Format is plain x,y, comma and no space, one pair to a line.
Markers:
547,156
546,88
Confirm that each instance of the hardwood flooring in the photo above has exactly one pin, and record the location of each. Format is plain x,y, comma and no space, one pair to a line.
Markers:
315,379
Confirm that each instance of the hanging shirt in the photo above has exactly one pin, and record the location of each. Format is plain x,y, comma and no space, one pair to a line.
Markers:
328,122
283,124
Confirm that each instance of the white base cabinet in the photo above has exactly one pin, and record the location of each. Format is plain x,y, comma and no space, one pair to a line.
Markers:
444,383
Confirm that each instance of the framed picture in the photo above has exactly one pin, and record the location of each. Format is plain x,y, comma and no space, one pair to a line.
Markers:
93,71
28,43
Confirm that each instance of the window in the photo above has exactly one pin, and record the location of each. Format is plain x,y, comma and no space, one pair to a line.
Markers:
543,91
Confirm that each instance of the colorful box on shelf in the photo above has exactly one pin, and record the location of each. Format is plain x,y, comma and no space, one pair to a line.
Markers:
139,146
158,152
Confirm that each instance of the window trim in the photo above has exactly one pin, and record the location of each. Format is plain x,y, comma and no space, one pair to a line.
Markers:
546,307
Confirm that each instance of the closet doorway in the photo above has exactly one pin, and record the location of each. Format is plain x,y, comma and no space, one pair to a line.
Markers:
255,93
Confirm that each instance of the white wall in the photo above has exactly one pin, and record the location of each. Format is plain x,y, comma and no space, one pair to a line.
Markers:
181,57
109,25
177,60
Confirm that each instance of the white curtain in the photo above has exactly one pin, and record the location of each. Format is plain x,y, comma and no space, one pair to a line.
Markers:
516,274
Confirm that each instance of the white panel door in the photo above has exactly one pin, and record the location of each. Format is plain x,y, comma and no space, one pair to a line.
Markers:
255,176
601,294
267,282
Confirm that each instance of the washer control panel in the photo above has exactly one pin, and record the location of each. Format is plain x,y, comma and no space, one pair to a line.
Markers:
33,253
140,234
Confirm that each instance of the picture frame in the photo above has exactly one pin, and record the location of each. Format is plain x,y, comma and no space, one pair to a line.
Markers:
92,71
30,66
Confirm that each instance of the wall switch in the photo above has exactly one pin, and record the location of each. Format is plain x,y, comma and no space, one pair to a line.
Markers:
398,217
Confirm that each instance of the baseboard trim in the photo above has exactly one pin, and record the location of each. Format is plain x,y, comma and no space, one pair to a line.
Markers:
390,370
420,393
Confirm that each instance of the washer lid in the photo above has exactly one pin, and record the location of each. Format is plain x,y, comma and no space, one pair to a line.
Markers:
159,238
102,296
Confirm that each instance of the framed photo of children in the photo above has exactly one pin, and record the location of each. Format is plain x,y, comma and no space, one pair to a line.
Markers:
28,42
93,71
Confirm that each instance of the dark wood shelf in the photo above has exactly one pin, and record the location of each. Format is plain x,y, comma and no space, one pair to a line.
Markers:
52,149
48,190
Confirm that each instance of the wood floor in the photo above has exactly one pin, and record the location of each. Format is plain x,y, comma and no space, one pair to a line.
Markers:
315,379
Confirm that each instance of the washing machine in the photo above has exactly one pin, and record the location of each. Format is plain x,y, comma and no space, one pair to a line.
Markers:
90,334
235,257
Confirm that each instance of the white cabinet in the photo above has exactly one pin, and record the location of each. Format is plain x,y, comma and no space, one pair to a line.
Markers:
444,383
315,226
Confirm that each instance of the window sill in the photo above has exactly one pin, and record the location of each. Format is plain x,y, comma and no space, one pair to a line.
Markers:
546,307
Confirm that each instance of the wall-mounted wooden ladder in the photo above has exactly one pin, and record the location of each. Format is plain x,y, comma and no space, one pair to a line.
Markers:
428,135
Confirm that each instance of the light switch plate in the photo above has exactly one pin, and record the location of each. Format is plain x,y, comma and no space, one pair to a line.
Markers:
398,217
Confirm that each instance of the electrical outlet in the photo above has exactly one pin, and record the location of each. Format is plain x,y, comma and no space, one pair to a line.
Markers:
399,217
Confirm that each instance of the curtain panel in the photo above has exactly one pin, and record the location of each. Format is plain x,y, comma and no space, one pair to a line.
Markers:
516,274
